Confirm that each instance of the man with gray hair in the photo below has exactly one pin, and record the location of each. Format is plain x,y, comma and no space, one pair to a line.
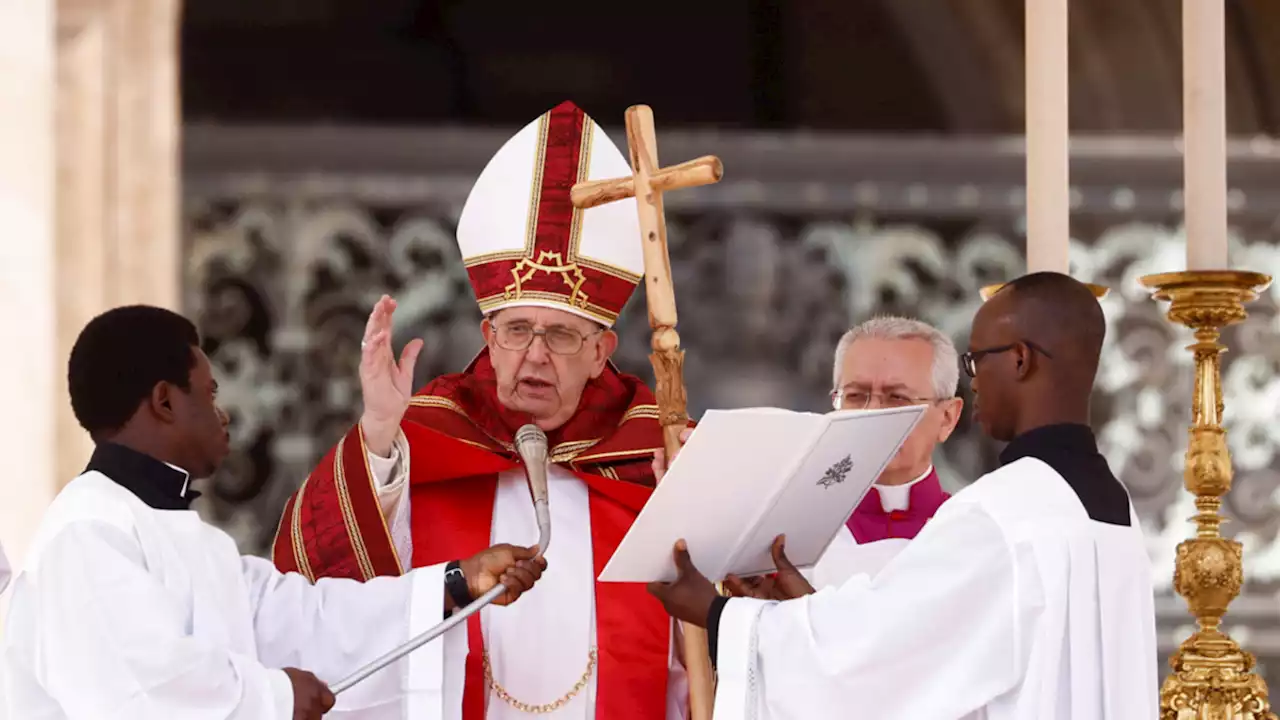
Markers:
896,362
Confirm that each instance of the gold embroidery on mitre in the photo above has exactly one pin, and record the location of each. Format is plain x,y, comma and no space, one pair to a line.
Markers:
494,302
584,167
572,275
535,189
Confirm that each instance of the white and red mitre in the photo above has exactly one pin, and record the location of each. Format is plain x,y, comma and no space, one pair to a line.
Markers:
523,241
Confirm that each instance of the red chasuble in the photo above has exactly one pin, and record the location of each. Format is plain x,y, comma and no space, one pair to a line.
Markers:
460,438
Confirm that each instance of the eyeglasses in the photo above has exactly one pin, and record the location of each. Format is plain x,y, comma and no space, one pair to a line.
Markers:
559,339
969,360
859,400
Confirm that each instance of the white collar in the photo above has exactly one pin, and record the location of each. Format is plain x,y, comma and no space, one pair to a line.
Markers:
898,497
186,478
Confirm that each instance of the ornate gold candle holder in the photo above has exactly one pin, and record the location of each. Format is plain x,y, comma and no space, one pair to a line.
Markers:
1213,678
987,291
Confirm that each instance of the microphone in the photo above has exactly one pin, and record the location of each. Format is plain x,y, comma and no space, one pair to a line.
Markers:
531,443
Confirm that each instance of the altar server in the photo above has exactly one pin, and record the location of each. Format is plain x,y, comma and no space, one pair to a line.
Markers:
1028,595
129,606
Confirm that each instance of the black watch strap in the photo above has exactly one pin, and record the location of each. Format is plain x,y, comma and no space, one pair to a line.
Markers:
455,583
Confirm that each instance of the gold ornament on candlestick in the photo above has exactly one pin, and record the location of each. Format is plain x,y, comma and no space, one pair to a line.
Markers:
646,186
1213,677
986,292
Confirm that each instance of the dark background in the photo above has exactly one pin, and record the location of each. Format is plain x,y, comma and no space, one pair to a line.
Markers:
902,66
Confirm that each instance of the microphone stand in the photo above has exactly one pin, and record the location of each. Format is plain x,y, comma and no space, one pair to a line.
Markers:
531,443
417,642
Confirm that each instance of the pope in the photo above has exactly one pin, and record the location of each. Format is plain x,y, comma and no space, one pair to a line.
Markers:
430,476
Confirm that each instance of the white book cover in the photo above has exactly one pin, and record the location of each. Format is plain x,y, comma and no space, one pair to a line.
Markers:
749,475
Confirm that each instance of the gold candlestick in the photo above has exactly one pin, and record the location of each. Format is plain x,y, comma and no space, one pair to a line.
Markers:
1212,676
986,292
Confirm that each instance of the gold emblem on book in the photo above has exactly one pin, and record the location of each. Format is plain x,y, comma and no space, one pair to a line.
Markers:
548,262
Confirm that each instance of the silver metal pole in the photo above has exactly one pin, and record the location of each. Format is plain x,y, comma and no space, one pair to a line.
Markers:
531,443
420,640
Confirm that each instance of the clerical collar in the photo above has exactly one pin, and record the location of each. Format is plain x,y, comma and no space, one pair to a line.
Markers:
898,497
156,483
1072,451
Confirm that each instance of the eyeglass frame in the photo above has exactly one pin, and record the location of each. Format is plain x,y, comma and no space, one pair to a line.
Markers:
969,360
838,393
535,332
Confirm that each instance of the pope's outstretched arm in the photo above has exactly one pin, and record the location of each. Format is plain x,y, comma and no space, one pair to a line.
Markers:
935,634
374,453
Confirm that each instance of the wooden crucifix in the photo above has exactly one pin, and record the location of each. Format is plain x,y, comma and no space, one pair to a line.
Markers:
647,185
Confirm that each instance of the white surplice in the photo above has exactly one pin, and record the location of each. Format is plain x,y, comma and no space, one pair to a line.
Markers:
538,647
127,612
845,557
1011,603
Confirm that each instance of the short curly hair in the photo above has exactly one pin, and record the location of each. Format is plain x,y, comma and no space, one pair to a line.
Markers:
119,358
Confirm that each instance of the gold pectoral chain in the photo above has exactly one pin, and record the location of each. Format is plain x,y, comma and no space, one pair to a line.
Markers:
505,696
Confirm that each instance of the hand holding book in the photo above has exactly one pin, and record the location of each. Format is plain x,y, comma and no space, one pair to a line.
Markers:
786,584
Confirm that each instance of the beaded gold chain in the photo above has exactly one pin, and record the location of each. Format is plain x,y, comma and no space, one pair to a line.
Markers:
505,696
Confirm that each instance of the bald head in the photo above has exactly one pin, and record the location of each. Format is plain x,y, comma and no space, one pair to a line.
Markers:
1060,312
1036,345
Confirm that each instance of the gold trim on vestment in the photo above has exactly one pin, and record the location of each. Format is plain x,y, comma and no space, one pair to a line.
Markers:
373,488
573,446
444,403
640,411
615,455
348,514
564,452
438,401
295,528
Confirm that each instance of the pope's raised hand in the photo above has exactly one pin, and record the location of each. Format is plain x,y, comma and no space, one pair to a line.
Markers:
385,384
660,455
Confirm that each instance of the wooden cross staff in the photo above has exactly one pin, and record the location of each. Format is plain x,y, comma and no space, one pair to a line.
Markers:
646,186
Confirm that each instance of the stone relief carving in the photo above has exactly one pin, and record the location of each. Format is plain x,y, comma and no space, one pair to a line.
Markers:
280,284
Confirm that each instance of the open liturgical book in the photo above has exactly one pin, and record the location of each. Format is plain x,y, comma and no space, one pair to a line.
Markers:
749,475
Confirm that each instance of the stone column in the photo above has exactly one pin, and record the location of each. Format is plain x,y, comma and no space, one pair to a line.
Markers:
27,258
88,213
118,119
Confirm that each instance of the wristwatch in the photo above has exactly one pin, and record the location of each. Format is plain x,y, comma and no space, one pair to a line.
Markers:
455,583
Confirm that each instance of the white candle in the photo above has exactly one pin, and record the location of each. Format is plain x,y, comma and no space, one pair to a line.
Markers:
1048,173
1204,121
